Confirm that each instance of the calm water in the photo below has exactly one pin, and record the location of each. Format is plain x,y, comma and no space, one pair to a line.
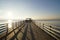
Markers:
3,21
55,23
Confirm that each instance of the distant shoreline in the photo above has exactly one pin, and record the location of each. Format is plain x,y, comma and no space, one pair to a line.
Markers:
35,19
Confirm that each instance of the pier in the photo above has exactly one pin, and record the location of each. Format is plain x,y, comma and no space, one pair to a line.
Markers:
28,30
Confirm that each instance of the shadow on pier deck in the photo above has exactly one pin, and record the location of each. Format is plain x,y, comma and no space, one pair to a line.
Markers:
27,31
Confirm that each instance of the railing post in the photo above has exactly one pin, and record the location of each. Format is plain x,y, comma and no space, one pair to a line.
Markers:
43,25
6,31
40,25
50,27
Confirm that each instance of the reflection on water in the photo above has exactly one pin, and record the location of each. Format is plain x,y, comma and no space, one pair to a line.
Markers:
9,23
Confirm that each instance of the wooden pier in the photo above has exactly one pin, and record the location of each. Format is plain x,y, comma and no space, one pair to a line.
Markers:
25,30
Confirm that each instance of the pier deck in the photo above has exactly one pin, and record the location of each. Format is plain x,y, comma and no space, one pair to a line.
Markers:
28,31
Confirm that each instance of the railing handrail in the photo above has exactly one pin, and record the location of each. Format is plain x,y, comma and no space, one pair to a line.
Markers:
51,32
50,29
7,33
2,28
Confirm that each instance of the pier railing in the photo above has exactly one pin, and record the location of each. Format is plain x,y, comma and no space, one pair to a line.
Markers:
5,31
54,31
2,28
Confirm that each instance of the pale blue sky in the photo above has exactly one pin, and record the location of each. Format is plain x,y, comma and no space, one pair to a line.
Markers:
36,9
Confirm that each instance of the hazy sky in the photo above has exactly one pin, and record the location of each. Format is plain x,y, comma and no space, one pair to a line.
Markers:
36,9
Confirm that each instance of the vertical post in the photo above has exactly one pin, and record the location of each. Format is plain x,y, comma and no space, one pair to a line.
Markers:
40,25
43,26
14,24
50,27
13,28
6,32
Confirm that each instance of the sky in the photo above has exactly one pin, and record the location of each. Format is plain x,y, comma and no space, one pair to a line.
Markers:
35,9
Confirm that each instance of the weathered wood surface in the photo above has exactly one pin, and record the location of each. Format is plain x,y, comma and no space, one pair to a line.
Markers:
29,31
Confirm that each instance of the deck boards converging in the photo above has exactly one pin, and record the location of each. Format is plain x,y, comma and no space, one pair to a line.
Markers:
29,31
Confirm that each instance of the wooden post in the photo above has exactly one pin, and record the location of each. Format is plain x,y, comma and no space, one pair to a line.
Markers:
50,27
6,31
43,26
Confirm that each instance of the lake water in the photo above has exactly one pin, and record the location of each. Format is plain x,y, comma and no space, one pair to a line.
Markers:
3,21
55,23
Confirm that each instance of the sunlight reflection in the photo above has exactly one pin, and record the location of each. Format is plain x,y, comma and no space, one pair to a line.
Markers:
9,23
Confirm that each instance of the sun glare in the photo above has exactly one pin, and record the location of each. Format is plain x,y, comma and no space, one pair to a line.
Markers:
9,23
10,15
